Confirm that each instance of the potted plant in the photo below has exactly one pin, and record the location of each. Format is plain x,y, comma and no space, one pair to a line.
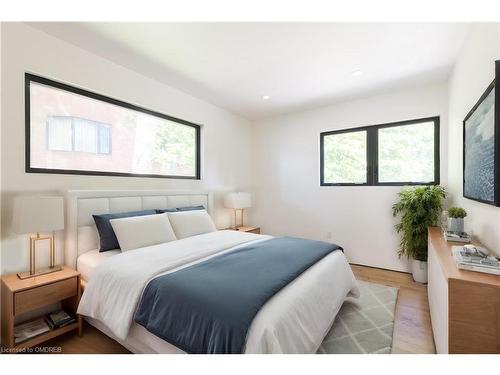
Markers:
456,219
419,208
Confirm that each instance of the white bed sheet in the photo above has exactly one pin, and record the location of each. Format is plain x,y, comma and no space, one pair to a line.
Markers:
295,320
87,262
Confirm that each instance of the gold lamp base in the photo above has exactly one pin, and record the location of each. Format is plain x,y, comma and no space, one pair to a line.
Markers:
236,226
52,256
27,274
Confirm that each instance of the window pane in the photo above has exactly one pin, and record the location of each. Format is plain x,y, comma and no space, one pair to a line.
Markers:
85,135
59,133
100,136
345,157
406,153
104,139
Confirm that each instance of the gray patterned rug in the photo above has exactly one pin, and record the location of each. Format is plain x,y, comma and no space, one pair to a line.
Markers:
365,327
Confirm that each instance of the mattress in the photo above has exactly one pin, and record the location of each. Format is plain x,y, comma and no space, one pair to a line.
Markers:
88,261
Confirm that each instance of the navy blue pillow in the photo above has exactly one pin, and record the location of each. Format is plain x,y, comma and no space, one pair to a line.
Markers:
107,237
179,209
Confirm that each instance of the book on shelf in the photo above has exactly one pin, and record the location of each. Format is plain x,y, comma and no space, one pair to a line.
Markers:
475,261
462,237
59,319
25,331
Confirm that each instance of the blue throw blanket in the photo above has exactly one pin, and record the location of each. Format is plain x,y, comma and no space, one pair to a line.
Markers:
209,307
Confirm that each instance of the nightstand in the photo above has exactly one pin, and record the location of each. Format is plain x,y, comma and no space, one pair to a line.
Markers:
255,230
23,296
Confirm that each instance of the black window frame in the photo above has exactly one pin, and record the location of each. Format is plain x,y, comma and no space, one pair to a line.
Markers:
28,78
372,153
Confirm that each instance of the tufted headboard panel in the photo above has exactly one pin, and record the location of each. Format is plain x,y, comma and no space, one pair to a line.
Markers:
81,234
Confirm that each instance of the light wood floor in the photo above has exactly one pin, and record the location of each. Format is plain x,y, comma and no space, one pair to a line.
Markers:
412,325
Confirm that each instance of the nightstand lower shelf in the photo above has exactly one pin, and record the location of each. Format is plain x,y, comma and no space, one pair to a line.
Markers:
48,335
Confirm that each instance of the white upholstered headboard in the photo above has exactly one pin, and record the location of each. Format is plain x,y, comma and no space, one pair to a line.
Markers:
81,234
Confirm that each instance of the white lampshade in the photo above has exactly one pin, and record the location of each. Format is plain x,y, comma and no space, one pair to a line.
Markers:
34,214
237,200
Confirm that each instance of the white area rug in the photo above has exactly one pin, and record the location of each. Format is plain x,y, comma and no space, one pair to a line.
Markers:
366,327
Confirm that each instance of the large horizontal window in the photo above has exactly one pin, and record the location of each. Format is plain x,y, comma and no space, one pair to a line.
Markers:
400,153
74,131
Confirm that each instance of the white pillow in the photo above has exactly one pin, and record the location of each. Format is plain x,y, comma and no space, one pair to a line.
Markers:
140,231
191,223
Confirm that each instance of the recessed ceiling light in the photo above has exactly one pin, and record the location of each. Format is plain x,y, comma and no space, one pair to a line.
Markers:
266,97
356,73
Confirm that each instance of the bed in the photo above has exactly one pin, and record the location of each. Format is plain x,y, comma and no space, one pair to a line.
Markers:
294,320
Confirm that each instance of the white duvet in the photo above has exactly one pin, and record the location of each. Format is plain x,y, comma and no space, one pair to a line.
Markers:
295,320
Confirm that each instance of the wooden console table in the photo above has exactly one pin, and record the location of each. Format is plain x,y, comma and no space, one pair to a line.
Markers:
464,305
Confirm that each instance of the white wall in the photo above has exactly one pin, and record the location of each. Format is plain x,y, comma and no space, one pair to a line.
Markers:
226,155
285,169
288,197
473,72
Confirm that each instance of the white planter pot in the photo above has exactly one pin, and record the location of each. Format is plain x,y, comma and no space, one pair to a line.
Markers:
419,271
455,224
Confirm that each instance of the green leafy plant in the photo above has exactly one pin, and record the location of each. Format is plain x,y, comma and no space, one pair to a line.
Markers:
457,212
419,208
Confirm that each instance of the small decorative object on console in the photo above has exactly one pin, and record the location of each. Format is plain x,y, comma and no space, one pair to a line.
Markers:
472,258
456,217
456,236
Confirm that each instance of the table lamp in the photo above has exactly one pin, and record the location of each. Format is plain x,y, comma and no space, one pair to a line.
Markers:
35,214
237,201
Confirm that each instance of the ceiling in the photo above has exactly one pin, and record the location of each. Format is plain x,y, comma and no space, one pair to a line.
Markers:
298,65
